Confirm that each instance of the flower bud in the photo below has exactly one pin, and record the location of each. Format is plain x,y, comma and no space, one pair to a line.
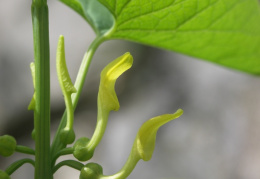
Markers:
81,152
7,145
4,175
91,171
67,136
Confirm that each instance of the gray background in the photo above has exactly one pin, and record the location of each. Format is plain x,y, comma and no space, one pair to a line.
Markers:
216,138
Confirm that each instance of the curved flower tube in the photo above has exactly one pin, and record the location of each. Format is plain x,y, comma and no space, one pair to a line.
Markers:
144,144
107,101
146,136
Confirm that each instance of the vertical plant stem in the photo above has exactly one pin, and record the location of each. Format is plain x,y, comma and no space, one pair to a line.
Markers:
39,10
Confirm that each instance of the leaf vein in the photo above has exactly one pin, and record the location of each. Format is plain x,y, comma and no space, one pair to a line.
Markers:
126,3
196,14
152,12
225,13
191,31
115,5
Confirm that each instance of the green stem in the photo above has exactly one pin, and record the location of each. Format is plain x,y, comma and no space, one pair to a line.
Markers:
14,166
102,119
126,170
24,149
71,163
57,144
84,69
65,151
70,112
39,10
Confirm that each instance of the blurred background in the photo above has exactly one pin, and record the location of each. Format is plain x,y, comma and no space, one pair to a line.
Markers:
218,136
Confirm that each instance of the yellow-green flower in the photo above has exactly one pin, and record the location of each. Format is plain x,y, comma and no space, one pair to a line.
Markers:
107,101
144,144
107,95
146,136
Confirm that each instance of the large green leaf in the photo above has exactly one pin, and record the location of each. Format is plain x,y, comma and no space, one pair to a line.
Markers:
94,13
225,32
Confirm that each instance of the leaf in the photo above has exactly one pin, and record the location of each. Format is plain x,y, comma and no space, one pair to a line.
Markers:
226,32
94,13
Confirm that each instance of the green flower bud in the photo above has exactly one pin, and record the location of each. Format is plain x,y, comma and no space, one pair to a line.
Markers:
81,152
33,134
4,175
62,70
7,145
91,171
67,136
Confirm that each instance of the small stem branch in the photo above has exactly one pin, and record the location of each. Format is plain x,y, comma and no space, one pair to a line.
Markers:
14,166
102,119
70,111
65,151
24,149
84,69
126,170
71,163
